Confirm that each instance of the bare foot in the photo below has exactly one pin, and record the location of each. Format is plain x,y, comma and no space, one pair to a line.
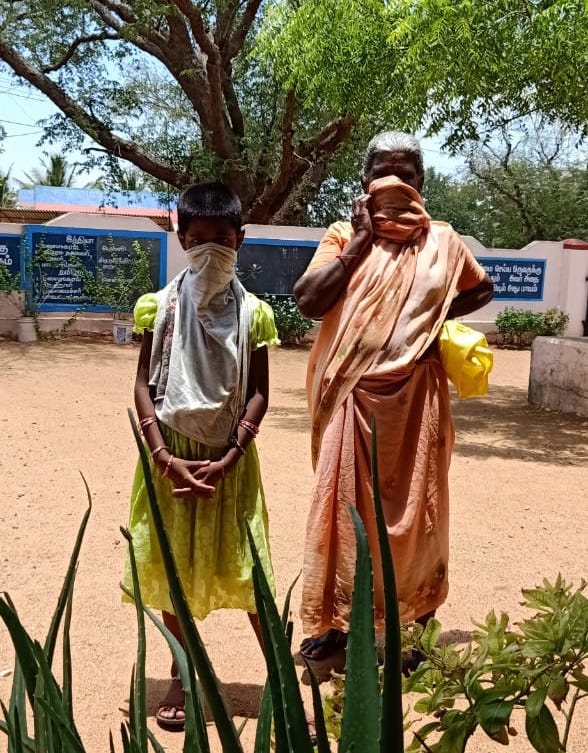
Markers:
170,712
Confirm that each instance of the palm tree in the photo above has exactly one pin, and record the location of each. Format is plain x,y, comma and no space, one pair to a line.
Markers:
7,195
129,179
56,172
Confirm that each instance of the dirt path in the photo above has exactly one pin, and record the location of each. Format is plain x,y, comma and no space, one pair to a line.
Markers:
519,490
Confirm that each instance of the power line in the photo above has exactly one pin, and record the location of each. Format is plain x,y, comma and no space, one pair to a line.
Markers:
15,122
7,90
18,135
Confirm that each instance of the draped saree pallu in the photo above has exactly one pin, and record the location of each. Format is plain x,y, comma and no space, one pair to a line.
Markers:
376,354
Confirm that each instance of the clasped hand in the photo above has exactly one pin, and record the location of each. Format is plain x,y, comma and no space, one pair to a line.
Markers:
195,478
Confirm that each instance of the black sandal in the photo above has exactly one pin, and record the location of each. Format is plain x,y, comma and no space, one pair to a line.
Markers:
411,660
323,646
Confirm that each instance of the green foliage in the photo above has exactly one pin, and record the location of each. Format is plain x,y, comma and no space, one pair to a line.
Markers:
120,280
7,194
9,283
33,679
519,326
291,325
513,205
534,665
270,95
493,60
553,323
55,172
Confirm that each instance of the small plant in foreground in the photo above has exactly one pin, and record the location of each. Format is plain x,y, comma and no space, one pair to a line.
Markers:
537,665
9,284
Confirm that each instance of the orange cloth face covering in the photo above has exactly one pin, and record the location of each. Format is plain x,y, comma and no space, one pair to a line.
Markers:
398,210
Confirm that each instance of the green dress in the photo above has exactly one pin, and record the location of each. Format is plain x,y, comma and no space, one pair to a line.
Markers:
208,536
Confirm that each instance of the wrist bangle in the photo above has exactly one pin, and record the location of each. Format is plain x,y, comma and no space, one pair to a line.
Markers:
157,450
342,258
145,422
237,445
168,467
249,427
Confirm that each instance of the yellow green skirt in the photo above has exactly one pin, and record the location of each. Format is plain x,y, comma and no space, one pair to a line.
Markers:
208,536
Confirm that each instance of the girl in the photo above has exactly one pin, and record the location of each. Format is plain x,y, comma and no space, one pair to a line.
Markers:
201,392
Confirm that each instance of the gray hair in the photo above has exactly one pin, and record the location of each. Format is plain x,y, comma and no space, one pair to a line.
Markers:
393,141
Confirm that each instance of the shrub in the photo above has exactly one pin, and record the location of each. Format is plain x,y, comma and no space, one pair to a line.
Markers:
120,280
533,665
9,283
519,326
553,323
291,325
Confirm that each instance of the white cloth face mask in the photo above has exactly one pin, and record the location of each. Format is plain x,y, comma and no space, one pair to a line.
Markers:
213,266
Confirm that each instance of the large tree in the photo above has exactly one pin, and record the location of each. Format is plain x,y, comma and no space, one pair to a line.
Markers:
521,185
269,93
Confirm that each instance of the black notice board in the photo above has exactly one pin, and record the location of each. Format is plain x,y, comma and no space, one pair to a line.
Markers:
56,255
10,254
273,266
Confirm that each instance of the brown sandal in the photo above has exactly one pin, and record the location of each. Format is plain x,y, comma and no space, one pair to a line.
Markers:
174,701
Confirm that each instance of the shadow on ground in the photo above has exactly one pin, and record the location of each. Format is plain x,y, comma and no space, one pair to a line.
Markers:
243,699
503,424
290,417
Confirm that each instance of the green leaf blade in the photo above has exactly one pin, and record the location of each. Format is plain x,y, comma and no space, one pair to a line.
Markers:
542,731
360,726
392,722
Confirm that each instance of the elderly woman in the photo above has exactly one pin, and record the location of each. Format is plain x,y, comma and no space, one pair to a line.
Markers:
383,286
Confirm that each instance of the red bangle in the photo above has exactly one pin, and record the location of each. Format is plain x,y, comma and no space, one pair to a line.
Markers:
249,427
168,467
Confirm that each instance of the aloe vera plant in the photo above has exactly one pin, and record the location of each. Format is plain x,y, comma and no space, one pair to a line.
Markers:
370,716
54,726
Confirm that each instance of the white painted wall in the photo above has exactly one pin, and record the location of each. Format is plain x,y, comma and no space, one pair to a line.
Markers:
565,283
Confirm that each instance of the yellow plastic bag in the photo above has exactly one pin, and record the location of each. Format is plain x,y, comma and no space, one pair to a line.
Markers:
466,358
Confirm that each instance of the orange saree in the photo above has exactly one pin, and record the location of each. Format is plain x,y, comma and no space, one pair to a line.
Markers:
376,354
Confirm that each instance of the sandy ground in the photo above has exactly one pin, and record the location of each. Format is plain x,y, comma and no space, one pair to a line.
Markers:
519,490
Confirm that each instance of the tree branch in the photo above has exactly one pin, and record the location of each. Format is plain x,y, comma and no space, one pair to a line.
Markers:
74,46
235,43
194,17
296,163
515,196
122,10
179,58
214,120
233,107
91,125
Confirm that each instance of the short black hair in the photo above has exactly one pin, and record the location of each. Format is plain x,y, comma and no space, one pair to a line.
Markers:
203,201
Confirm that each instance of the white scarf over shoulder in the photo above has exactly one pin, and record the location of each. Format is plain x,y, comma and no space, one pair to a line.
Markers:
201,347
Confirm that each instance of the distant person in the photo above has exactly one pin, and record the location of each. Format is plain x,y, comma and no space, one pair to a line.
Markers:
201,393
383,286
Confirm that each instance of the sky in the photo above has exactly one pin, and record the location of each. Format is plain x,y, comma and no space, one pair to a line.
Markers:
21,109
